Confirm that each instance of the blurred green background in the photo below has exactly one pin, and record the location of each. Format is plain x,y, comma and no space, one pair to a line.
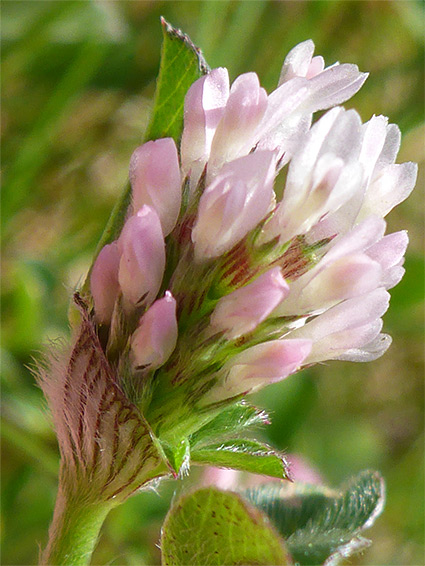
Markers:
78,80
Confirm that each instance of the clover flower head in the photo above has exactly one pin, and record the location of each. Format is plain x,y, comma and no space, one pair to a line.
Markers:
258,288
215,288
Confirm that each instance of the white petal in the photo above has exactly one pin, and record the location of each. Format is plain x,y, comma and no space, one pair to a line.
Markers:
297,62
370,352
334,86
374,136
391,146
235,133
393,186
351,313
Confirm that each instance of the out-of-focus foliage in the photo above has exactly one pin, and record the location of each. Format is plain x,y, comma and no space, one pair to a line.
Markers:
78,81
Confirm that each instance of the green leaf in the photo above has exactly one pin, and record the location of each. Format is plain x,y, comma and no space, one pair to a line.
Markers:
181,64
212,527
245,455
319,524
237,418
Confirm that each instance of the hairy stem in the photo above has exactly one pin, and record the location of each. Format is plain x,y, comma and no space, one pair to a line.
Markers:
74,531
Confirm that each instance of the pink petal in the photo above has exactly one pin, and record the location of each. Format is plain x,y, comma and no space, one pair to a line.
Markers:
156,181
204,106
390,250
259,366
155,338
142,258
104,282
233,204
241,311
234,136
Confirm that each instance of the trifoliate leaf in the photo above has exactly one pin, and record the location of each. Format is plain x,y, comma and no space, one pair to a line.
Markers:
234,419
245,455
212,527
321,525
181,64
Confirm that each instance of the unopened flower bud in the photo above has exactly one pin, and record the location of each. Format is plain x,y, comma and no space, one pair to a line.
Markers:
156,336
104,282
155,180
143,258
234,203
241,311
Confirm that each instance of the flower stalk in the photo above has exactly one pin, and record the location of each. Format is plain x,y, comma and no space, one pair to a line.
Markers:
74,531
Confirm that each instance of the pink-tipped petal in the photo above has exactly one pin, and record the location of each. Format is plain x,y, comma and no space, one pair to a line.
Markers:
156,336
260,366
333,86
104,282
233,204
389,189
297,62
244,110
203,108
156,181
267,363
241,311
142,258
390,250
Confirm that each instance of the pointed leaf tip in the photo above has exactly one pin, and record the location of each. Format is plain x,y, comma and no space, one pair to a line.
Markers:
244,455
182,63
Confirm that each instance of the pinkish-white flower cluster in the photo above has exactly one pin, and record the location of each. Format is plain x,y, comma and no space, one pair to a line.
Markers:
214,284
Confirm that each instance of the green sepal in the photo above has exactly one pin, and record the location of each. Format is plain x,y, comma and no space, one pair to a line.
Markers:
178,456
320,524
244,455
212,527
235,419
182,64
